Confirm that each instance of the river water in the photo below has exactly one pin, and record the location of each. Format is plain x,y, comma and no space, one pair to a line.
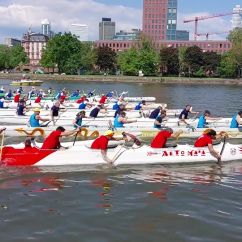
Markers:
143,203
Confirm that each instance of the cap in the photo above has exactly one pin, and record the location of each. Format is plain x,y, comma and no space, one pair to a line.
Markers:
109,133
36,110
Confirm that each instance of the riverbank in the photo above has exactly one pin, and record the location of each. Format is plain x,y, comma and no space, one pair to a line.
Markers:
124,79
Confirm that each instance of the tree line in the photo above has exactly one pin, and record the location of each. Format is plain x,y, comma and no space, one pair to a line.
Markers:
67,54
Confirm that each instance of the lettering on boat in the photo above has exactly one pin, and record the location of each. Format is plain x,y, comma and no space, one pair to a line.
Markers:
233,151
175,153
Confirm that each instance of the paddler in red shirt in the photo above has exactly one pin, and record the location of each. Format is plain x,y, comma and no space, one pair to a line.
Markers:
53,140
207,140
16,98
101,143
103,99
161,138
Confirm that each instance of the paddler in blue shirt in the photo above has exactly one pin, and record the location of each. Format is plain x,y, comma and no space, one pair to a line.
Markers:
160,119
236,120
140,105
202,121
121,119
78,120
35,118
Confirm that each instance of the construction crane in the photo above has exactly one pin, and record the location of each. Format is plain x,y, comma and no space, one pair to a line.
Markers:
208,34
198,18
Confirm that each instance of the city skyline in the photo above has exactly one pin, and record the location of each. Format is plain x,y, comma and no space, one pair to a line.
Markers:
18,15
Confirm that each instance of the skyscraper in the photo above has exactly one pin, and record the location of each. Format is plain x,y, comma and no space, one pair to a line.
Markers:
80,31
160,19
106,29
46,27
237,17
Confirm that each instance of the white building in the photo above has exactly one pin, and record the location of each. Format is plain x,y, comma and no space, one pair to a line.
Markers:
80,31
237,17
46,27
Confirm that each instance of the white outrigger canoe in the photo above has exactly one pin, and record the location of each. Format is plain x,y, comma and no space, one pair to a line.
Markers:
72,113
91,132
81,154
105,121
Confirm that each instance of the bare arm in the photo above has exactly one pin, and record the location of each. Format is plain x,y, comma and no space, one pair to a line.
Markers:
176,134
41,119
238,119
213,152
68,133
126,121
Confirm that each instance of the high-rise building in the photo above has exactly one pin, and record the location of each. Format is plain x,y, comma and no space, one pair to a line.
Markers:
237,17
46,27
80,31
106,29
160,19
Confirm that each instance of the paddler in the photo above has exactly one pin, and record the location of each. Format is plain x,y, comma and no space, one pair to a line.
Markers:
121,119
207,140
78,120
160,139
101,143
202,121
160,119
35,118
53,140
236,120
184,114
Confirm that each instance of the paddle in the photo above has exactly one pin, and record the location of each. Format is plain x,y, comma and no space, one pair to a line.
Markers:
222,150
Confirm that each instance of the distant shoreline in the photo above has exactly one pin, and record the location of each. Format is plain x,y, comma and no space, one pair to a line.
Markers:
125,79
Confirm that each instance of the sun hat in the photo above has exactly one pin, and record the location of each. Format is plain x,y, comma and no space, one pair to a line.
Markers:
36,110
109,133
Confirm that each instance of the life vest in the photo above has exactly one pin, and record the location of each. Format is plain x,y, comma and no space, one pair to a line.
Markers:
117,124
33,121
201,122
82,106
234,123
78,122
138,106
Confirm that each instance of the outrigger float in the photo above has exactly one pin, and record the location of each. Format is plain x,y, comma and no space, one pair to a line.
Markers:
81,154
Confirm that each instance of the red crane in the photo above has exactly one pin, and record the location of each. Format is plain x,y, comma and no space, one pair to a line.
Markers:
198,18
208,34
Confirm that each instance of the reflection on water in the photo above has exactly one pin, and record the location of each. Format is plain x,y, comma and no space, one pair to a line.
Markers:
128,203
104,193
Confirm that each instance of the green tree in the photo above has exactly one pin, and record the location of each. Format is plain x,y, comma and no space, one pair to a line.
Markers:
235,37
169,60
228,66
194,59
211,62
106,59
128,62
4,57
17,56
148,58
67,53
141,57
181,58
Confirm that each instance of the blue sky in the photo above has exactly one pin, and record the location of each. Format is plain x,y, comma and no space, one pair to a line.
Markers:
186,6
18,15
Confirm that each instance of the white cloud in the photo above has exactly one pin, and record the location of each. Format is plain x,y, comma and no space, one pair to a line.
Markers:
16,18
